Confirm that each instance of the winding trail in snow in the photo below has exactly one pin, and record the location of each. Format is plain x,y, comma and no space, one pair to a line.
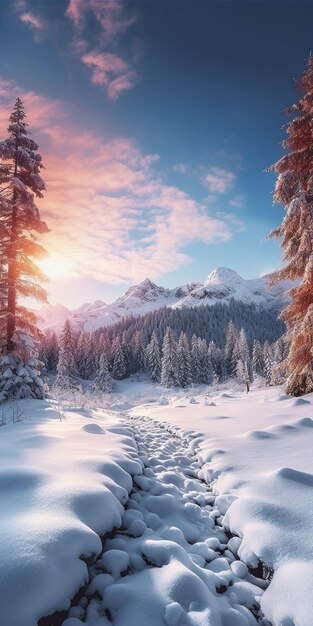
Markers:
171,563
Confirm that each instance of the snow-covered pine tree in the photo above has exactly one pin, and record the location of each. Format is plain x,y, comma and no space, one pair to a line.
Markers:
294,189
267,356
118,365
206,369
195,360
169,360
258,359
20,277
81,354
231,345
184,376
103,381
67,374
139,355
153,358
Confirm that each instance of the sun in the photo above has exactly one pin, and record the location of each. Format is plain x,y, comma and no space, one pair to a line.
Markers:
56,267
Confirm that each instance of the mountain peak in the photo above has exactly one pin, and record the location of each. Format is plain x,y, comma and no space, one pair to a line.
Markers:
225,276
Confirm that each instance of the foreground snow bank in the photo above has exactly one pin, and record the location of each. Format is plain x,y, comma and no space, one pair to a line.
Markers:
256,450
62,485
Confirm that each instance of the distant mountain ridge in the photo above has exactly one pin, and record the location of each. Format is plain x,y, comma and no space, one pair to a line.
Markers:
221,285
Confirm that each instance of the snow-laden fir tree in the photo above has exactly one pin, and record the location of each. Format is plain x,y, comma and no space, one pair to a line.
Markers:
169,360
258,359
118,360
103,381
20,277
81,354
231,345
67,374
139,356
153,358
195,359
294,189
184,375
268,364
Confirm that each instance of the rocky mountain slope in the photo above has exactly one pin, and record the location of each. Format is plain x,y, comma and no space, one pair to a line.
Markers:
221,285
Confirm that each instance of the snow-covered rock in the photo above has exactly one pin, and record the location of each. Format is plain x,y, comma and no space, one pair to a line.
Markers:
221,285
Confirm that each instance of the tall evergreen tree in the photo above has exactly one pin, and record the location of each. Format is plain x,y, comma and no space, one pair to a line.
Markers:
267,356
20,223
195,359
20,277
118,365
231,346
294,189
66,377
103,381
153,358
169,360
258,358
184,376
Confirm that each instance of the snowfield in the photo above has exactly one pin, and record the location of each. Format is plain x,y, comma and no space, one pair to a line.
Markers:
62,484
191,469
256,452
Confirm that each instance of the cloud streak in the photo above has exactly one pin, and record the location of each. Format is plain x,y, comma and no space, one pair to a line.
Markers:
219,180
112,216
108,69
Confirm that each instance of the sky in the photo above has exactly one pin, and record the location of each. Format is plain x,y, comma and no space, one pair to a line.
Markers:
156,120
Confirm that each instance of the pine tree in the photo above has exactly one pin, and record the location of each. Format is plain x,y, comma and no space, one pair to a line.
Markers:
103,381
66,377
138,353
195,360
153,358
81,354
118,365
184,376
20,223
294,189
258,359
90,362
231,349
267,356
169,360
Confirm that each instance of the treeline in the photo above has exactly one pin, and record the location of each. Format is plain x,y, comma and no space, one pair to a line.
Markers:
174,347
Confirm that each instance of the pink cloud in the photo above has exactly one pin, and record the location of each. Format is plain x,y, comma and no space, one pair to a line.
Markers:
110,15
219,180
104,65
32,20
76,11
100,192
108,68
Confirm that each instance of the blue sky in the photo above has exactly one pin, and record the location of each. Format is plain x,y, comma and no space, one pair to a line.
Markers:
156,121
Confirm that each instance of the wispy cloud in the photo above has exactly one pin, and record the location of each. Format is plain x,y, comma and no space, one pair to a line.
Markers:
111,71
112,216
181,168
237,202
31,18
108,68
219,180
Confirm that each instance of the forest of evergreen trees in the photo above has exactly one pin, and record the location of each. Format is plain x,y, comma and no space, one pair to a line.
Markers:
177,347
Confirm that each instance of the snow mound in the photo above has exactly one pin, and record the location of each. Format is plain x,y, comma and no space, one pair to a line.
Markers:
59,493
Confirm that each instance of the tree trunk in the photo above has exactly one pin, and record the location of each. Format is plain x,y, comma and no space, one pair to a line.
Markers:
11,310
11,315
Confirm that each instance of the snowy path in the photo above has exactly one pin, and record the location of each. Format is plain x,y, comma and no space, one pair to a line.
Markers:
170,563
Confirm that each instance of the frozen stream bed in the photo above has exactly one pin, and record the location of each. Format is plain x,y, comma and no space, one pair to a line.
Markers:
171,561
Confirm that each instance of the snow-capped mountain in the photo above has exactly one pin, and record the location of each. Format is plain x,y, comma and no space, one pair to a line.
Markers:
221,285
